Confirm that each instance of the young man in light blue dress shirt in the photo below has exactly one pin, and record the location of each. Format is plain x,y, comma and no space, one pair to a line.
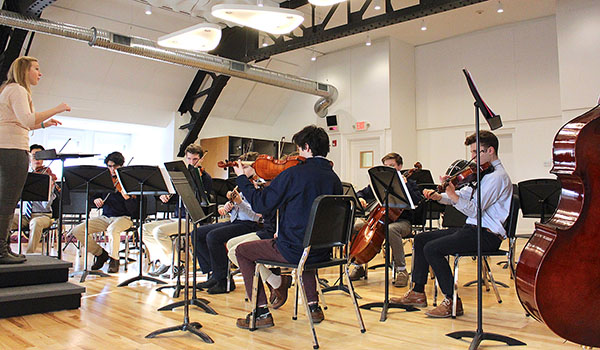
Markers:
431,248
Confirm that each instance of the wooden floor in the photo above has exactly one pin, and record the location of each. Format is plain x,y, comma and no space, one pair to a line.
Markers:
114,317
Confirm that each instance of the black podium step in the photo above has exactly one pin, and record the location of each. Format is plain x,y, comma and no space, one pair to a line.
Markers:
25,300
38,269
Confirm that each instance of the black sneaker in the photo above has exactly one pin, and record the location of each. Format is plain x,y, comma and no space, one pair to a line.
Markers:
221,287
100,260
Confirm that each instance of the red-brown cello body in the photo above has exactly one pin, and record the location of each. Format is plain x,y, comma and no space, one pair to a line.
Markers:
558,274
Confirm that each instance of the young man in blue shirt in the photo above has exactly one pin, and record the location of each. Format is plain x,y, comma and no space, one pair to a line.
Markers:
431,248
293,192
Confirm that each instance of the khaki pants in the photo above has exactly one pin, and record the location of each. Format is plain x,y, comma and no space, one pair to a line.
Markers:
113,227
157,238
37,223
233,243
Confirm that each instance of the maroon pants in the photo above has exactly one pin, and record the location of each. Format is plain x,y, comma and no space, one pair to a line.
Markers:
248,253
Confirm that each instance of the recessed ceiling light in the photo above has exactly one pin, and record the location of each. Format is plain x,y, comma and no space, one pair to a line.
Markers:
325,2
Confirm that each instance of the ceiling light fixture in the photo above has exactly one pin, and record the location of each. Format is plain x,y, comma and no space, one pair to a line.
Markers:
500,9
201,37
368,42
423,25
264,42
377,6
259,3
314,57
325,2
269,19
148,10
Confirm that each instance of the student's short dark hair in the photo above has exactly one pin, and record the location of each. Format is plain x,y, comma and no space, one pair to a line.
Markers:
36,146
115,157
395,156
194,148
315,137
486,139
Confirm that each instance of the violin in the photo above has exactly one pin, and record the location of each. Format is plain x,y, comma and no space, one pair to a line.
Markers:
558,277
47,171
467,176
267,167
119,188
418,166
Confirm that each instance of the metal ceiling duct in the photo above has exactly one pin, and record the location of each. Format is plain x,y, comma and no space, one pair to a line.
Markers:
146,48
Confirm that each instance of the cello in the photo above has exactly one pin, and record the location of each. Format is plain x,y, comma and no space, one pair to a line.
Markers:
558,276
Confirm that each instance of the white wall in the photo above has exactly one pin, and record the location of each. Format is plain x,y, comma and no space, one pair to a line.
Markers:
516,70
578,25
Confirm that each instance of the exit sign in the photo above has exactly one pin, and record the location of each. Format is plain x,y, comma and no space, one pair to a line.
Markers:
361,126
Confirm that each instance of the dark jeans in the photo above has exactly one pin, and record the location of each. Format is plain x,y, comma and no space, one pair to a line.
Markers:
431,249
248,253
210,241
13,172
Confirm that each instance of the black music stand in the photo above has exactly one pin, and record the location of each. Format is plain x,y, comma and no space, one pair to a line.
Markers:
181,180
539,198
37,188
140,180
87,178
494,123
50,154
189,189
391,192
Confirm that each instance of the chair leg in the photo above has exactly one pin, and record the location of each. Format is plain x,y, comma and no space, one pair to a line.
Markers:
307,307
361,323
455,294
295,315
320,290
254,297
492,281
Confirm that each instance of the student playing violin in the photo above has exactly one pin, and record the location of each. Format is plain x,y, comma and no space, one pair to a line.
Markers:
293,192
432,247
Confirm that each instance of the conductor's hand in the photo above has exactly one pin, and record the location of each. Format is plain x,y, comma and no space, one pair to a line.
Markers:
363,202
99,202
165,198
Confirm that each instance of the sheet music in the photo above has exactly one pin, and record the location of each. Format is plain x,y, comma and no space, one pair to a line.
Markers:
167,179
403,182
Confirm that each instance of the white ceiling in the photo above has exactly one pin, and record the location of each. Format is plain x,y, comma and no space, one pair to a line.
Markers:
113,86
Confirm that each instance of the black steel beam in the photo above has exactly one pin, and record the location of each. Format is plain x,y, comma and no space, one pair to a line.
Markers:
355,25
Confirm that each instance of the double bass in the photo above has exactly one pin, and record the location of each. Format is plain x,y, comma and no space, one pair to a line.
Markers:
558,273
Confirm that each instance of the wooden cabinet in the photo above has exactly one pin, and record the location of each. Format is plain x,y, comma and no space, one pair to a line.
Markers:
232,147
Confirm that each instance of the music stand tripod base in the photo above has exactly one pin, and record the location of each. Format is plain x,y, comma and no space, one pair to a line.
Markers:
86,272
478,337
193,327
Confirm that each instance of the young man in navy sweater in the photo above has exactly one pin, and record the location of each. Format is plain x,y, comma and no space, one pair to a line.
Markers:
293,193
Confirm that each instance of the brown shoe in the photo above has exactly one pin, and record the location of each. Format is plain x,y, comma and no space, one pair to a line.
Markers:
401,278
445,309
357,273
411,298
316,313
281,293
272,296
113,266
262,321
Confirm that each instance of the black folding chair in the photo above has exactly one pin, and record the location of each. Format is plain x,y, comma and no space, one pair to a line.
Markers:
329,225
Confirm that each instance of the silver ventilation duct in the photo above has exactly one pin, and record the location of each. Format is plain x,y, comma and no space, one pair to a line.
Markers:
145,48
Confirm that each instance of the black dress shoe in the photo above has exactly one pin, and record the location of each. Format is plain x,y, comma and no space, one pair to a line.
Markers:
100,260
207,284
113,265
221,287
